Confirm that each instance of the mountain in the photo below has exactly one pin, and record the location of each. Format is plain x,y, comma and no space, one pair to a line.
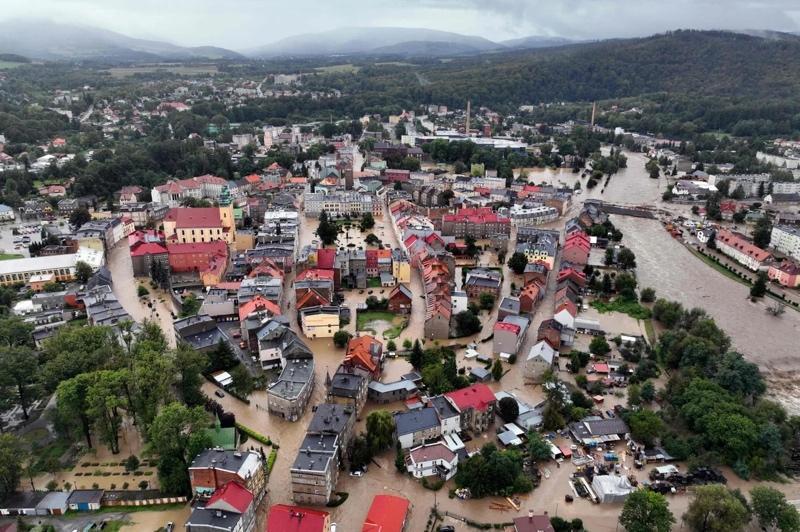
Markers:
46,40
376,41
535,41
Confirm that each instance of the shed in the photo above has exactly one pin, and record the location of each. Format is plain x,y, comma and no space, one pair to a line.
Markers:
85,500
54,503
481,374
509,439
21,503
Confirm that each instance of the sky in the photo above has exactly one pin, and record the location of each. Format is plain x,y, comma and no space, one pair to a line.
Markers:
244,24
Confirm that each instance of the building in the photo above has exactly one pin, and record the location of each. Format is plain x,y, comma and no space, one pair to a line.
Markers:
786,240
230,509
278,343
364,356
203,224
340,204
7,214
476,404
415,427
199,331
786,273
320,321
532,214
448,414
144,254
539,361
533,523
595,430
208,260
479,222
509,334
347,387
85,500
212,469
389,392
19,271
387,513
434,459
400,300
315,469
576,249
288,395
436,277
286,518
481,282
175,191
740,249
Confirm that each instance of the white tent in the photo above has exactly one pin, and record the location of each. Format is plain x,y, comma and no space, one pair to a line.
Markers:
611,489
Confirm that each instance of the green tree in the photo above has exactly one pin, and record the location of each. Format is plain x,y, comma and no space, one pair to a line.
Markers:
222,357
759,288
647,295
18,372
517,262
608,260
15,333
715,508
646,511
341,337
626,259
327,230
151,384
367,222
190,365
497,370
104,400
773,511
190,306
79,217
380,430
762,233
599,346
12,455
467,323
668,313
508,408
648,392
646,426
416,355
486,301
83,272
242,381
75,350
538,447
71,403
177,435
391,346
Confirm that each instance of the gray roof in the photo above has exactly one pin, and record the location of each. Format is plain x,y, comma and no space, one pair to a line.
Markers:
510,304
220,459
330,418
85,496
209,519
344,384
596,426
297,374
54,499
316,452
388,387
443,407
415,421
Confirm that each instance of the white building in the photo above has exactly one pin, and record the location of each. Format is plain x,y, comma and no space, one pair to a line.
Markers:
6,214
540,360
536,215
434,459
339,204
786,240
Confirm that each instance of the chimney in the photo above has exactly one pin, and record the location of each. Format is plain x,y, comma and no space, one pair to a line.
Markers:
530,516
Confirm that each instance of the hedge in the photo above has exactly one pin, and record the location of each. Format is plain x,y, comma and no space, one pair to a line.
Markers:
253,434
273,455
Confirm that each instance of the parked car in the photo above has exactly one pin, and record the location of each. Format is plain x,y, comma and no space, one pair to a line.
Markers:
170,526
357,473
219,393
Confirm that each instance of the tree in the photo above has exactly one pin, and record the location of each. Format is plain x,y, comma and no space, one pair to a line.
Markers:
177,435
12,455
104,400
653,169
517,262
79,216
716,509
648,392
486,301
341,337
497,370
242,381
18,371
668,313
608,260
190,365
762,233
372,240
15,333
416,355
773,511
472,249
380,430
131,463
646,426
71,403
327,230
508,409
190,306
367,222
759,288
493,472
76,350
83,272
646,511
152,375
647,295
538,447
221,358
391,346
599,346
467,323
625,285
626,259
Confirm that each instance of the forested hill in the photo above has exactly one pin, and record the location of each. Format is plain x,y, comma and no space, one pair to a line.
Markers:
687,62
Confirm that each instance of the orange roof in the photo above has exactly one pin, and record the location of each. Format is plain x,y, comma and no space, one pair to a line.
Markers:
360,350
258,303
386,514
252,178
307,297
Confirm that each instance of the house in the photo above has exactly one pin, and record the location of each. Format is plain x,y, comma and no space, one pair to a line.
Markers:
576,248
85,500
288,395
389,392
415,427
400,299
509,306
364,356
252,316
230,508
22,503
214,468
565,314
530,295
436,277
539,361
199,331
286,518
278,343
320,322
533,523
315,469
479,222
476,404
479,284
595,430
509,334
448,414
737,247
535,271
433,459
387,513
334,419
347,387
786,273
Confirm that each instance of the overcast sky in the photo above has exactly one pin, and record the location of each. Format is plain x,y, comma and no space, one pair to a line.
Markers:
241,24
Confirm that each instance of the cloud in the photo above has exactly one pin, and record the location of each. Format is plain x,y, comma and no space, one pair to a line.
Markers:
248,23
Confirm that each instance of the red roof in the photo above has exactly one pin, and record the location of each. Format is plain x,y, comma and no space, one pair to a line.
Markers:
505,326
148,248
187,217
600,367
478,215
478,396
326,258
738,242
315,274
252,178
386,514
232,497
569,306
360,351
285,518
258,303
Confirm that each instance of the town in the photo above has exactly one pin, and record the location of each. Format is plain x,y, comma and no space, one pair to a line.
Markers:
444,318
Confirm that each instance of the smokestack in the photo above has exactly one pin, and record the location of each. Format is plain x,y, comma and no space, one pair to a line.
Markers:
466,125
594,112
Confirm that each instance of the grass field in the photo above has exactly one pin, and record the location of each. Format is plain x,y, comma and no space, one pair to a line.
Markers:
187,70
631,308
10,64
9,256
372,315
347,68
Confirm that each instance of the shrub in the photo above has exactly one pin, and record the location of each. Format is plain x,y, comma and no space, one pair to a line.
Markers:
273,455
125,485
52,485
131,463
253,434
113,486
143,485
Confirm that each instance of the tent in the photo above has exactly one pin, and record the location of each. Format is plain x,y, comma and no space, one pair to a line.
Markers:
611,489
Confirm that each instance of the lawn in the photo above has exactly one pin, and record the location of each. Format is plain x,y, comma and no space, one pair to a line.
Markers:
10,64
629,307
9,256
347,68
372,315
374,282
650,330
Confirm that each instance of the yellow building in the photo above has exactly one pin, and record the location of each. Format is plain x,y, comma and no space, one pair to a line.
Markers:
401,267
320,322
